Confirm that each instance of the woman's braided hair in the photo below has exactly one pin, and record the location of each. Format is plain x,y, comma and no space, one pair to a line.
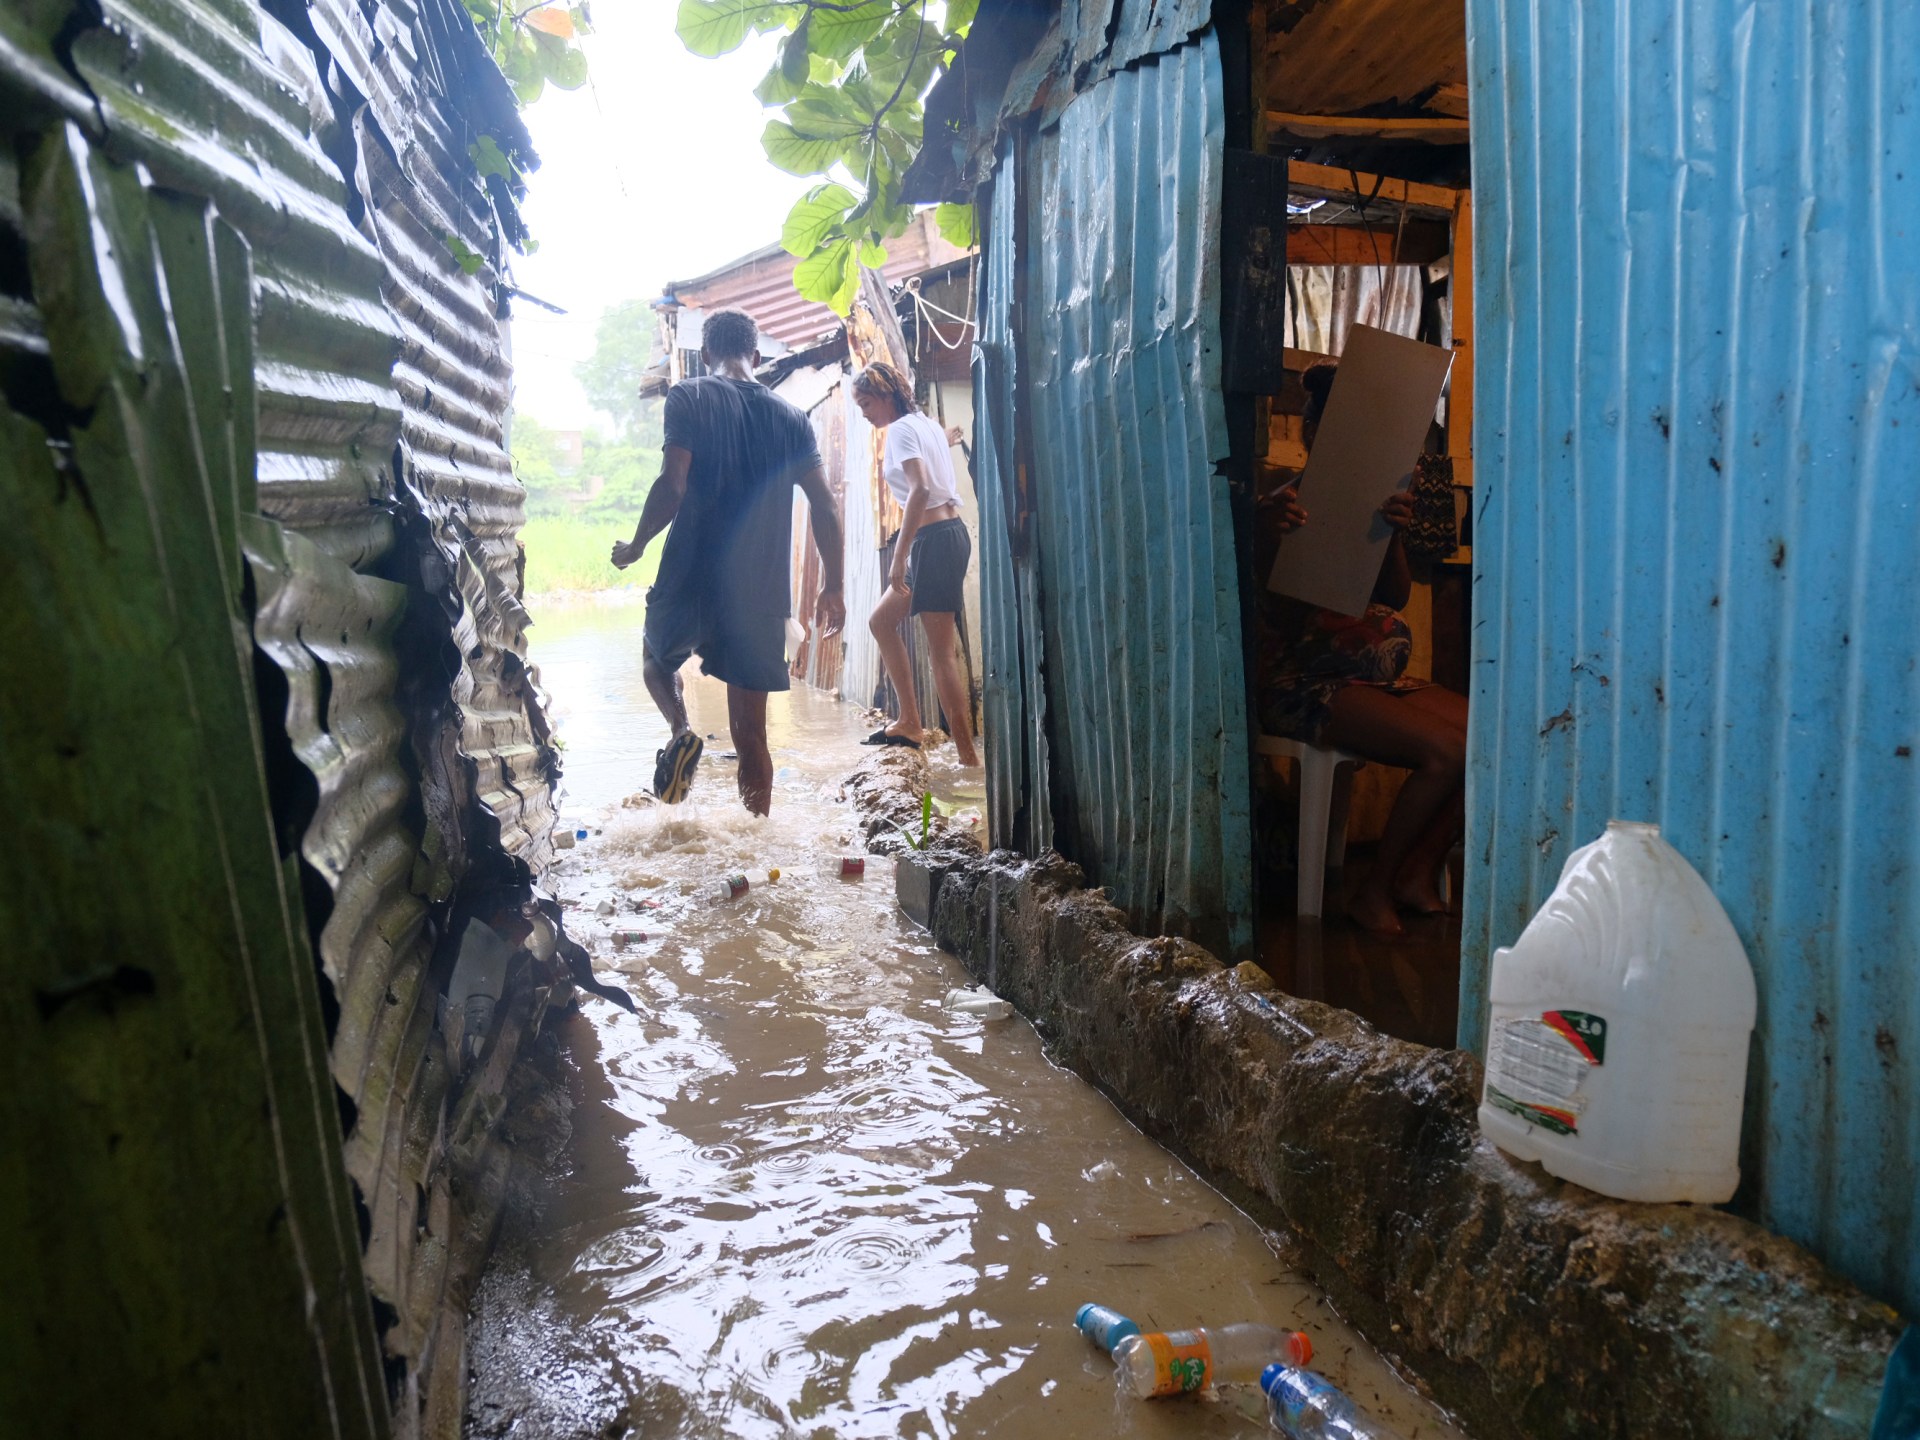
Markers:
884,380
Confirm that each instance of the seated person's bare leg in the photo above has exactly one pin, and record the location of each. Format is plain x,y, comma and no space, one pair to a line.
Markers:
1417,887
1384,727
950,680
888,616
747,723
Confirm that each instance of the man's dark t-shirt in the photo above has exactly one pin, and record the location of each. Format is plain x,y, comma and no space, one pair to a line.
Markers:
731,542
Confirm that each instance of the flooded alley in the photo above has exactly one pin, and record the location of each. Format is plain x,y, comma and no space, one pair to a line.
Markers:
802,1197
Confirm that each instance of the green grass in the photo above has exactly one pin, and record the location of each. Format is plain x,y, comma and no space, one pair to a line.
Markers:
568,554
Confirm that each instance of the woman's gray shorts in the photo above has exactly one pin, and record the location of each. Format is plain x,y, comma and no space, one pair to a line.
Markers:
937,566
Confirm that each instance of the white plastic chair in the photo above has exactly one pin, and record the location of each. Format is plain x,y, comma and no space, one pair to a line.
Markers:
1326,779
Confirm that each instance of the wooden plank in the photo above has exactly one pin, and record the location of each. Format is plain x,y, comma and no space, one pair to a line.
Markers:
1416,243
1460,401
1433,129
1332,180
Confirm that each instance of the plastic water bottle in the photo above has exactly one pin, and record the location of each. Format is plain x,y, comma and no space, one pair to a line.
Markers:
845,867
1617,1043
984,1003
1174,1362
1305,1406
1104,1327
623,938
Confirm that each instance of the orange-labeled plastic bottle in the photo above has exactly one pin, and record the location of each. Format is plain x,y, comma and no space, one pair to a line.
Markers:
1176,1362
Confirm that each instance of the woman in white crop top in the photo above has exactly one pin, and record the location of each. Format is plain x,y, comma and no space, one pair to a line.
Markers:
930,559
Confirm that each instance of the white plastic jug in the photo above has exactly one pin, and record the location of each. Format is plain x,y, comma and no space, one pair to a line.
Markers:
1617,1051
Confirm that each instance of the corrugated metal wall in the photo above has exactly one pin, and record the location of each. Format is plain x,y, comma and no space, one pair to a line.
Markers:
403,755
1013,697
131,346
1699,317
1134,535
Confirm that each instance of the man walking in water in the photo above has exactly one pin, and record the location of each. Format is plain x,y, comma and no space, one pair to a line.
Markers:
734,452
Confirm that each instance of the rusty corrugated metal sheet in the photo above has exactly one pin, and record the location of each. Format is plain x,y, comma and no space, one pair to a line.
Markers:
1134,540
1694,557
762,285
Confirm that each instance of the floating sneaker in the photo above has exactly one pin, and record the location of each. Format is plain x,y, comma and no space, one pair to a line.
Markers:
673,767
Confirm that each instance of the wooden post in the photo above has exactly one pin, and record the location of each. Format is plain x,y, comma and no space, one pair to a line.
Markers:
1460,401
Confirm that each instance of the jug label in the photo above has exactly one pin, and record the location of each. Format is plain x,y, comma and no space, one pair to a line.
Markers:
1535,1067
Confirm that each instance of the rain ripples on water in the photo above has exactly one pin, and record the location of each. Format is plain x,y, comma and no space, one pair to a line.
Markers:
802,1199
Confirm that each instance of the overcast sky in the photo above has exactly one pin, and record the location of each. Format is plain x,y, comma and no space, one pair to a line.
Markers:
652,173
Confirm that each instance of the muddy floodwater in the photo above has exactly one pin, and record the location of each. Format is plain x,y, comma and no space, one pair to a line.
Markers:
802,1198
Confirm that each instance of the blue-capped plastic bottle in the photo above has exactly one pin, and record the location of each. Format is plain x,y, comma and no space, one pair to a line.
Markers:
1103,1326
1305,1405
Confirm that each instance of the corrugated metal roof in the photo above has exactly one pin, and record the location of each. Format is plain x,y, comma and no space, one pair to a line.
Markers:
1135,539
762,284
1695,597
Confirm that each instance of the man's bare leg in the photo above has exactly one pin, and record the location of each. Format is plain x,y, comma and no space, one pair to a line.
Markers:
664,686
747,721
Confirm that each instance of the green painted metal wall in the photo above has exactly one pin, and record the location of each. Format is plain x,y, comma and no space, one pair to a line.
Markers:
267,723
182,1247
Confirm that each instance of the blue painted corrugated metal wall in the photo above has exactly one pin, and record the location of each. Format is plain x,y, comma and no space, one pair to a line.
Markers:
1013,693
1695,598
1134,536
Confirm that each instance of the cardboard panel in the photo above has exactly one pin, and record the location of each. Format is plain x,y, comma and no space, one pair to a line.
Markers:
1373,430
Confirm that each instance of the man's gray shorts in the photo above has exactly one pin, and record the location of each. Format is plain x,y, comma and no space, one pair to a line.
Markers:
745,650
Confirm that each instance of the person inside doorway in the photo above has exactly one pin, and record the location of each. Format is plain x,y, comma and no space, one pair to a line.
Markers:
734,451
930,558
1340,681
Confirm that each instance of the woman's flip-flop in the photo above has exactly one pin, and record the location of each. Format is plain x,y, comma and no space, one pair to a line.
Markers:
881,737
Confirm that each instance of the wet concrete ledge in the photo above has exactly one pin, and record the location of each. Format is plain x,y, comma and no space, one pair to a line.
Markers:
1530,1307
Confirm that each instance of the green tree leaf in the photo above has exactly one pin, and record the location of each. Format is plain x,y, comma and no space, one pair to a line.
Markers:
465,256
838,33
711,28
489,159
902,59
816,215
795,61
873,255
957,224
799,154
960,15
569,69
822,275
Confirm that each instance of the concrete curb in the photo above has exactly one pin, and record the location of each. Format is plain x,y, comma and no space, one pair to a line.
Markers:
1532,1307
